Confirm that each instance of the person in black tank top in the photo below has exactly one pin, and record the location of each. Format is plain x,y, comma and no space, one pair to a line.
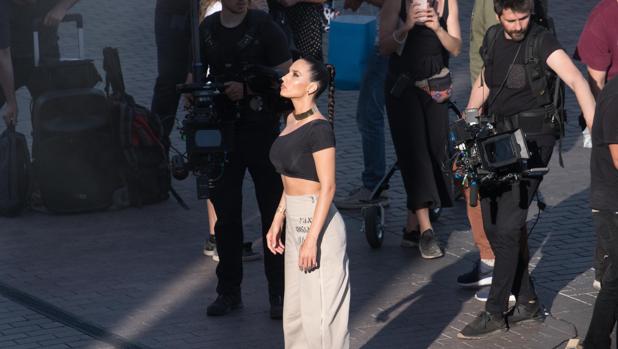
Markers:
317,298
419,41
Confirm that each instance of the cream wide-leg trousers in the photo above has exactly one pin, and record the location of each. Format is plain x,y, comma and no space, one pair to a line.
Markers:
316,304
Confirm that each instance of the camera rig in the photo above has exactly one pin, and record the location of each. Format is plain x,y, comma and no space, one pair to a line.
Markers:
209,126
483,157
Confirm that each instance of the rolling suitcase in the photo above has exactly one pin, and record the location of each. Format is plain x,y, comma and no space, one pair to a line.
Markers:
74,162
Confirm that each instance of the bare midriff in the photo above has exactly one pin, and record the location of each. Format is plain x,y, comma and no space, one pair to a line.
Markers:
298,186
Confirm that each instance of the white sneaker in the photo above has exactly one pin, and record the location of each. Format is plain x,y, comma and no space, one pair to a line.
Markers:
587,138
596,284
482,295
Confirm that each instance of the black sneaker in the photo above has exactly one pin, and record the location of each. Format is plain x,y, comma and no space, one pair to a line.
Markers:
475,278
224,304
210,247
484,325
410,238
526,313
248,254
276,307
428,245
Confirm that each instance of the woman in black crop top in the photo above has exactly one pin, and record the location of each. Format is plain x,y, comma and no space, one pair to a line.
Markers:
317,298
419,40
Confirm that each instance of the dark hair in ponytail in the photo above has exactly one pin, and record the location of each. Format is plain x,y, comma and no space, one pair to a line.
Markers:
324,75
331,94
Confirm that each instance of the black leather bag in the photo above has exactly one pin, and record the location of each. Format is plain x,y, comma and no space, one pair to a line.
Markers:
14,173
63,75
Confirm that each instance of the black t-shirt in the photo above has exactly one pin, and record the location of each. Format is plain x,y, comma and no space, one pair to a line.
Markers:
603,173
22,44
224,57
5,31
292,154
173,6
516,96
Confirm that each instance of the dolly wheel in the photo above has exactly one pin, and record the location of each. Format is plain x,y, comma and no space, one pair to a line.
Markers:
372,226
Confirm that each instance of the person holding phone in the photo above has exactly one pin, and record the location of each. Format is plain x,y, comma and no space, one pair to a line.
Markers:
419,38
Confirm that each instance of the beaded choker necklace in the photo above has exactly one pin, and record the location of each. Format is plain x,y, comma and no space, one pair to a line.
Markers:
306,114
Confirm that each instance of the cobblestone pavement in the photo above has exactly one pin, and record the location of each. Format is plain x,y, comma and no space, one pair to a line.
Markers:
137,278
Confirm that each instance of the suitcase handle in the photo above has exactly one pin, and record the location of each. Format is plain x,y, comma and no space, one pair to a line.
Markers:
71,17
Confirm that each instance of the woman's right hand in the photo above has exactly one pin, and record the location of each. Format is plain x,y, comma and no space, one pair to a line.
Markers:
415,15
273,237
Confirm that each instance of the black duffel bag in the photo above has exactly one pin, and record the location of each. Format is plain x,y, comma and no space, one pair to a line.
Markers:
62,74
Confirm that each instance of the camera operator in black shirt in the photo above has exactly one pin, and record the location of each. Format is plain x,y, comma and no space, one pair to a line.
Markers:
232,40
505,91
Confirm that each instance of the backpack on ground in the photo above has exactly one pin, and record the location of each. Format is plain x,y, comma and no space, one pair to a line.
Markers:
14,172
143,158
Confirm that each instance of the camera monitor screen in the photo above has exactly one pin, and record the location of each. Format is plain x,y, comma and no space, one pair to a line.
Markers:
504,150
208,138
499,150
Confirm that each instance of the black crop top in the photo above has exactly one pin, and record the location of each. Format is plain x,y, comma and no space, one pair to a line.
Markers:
292,153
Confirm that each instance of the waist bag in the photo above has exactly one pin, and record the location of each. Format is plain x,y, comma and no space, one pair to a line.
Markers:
439,86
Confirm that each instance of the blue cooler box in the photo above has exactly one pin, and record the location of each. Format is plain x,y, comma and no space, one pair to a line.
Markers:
351,40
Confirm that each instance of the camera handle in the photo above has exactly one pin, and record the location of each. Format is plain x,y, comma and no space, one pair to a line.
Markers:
536,172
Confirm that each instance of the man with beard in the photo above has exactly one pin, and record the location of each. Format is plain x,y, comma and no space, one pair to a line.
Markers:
508,93
232,40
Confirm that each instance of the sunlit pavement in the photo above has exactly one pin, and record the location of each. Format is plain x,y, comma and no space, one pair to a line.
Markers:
137,278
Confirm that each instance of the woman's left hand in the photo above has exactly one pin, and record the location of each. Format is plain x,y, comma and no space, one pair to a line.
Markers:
431,19
308,255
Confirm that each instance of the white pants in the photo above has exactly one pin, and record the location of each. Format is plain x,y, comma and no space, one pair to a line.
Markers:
316,304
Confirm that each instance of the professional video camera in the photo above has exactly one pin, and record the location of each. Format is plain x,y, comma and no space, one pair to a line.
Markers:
485,157
209,126
208,136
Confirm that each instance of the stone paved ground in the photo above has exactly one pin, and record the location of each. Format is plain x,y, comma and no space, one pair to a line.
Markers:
138,276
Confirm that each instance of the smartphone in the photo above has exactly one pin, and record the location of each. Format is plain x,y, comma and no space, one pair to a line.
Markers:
423,5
